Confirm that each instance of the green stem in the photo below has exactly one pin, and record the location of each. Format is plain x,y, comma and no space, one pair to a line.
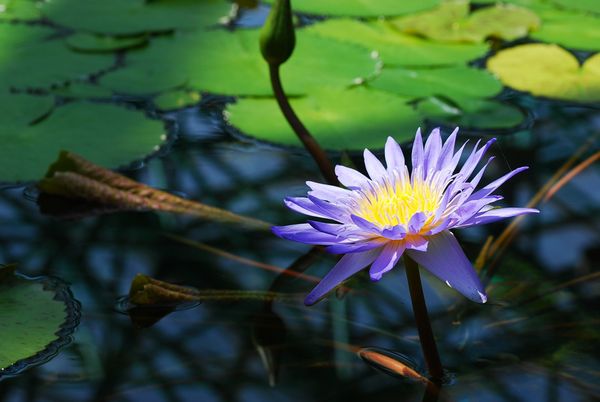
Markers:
303,134
432,357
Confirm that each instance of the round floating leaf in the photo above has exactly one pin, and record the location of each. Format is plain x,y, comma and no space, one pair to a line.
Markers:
471,113
29,60
451,22
176,99
447,81
19,10
548,70
361,8
339,119
580,5
37,317
85,42
135,16
20,110
82,90
107,135
396,48
230,63
572,30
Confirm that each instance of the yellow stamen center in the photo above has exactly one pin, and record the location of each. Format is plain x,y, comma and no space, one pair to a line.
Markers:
388,204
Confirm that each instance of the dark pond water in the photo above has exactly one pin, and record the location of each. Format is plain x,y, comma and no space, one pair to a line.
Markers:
535,340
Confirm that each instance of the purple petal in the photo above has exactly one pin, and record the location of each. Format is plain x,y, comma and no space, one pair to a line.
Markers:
417,151
374,167
333,211
304,233
433,147
394,158
487,190
445,259
350,177
305,206
347,266
416,222
387,260
365,224
496,214
355,247
397,232
447,150
416,242
473,160
327,192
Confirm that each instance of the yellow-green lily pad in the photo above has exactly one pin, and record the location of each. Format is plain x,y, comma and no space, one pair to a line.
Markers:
452,22
549,71
396,48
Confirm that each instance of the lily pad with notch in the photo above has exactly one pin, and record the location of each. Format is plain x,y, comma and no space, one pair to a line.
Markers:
37,318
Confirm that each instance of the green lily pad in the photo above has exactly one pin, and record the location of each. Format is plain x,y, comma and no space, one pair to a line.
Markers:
37,318
471,113
396,48
85,42
82,90
451,22
25,48
448,81
339,119
361,8
572,30
121,17
19,10
579,5
21,110
108,135
177,99
230,63
548,70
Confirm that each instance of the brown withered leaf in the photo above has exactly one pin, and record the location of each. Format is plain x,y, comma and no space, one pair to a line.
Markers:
73,177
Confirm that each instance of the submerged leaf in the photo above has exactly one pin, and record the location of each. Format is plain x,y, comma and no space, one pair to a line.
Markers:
535,67
71,176
37,318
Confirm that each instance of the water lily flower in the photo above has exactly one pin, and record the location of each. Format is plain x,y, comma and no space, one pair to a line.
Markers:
375,219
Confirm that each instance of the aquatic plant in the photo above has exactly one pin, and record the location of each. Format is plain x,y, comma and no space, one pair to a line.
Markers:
392,212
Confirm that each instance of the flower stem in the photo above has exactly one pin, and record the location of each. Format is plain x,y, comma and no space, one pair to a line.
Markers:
303,134
432,357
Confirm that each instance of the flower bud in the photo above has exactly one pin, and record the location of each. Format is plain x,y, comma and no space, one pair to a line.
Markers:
277,38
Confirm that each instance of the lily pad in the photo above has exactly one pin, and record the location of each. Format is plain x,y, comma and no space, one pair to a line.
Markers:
339,119
230,63
396,48
471,113
108,135
361,8
580,5
37,318
548,70
85,42
451,22
82,90
25,48
121,17
19,10
448,81
177,99
572,30
21,110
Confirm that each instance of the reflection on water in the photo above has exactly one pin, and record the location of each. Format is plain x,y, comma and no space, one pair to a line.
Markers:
534,340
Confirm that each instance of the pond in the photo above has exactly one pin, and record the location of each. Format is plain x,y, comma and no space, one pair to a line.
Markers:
164,92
